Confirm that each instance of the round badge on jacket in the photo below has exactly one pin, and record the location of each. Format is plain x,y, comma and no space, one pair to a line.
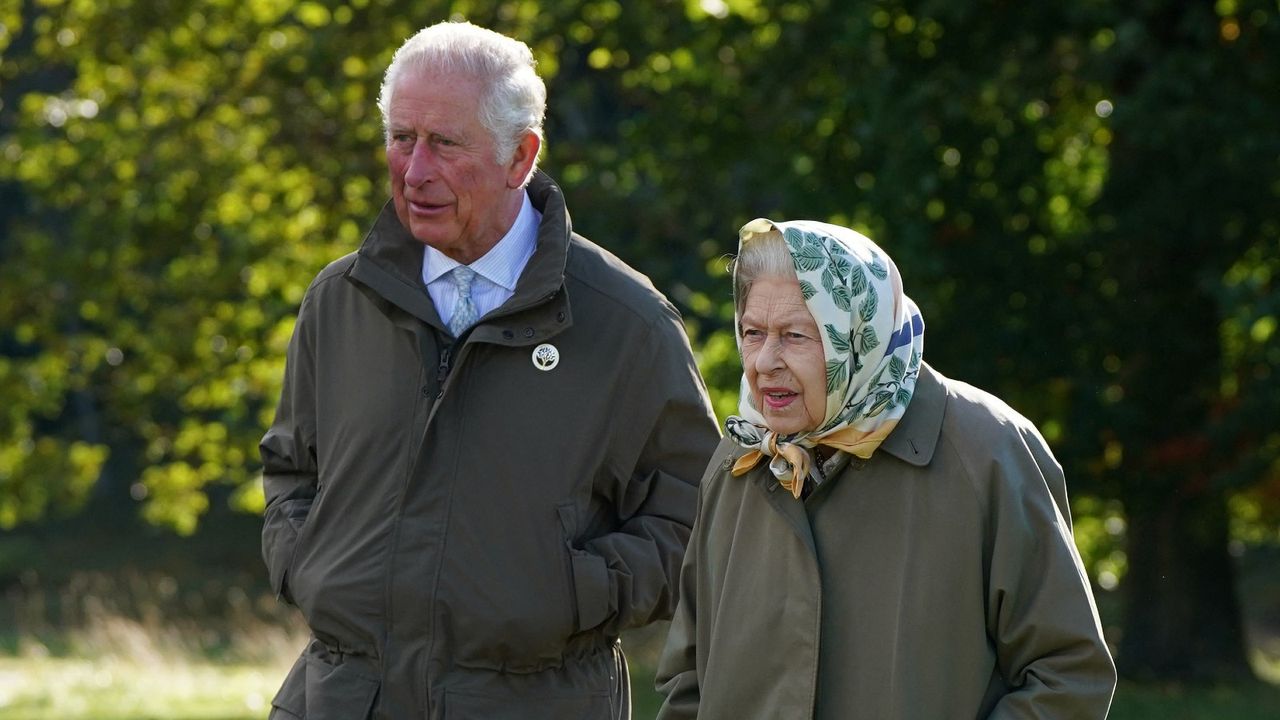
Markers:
546,357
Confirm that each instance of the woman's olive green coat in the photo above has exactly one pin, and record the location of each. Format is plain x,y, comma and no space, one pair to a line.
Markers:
936,580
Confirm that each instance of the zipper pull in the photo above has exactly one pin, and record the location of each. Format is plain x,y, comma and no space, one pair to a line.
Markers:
442,370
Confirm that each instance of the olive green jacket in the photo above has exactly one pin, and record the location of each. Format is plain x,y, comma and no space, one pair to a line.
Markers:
465,532
936,580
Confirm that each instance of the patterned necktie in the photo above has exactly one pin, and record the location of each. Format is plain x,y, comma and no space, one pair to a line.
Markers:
464,310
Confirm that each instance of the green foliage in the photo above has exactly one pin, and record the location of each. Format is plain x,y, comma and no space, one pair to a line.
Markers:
181,188
1082,198
1177,702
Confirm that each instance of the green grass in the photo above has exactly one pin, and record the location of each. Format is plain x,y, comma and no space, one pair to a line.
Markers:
74,689
1258,701
186,631
113,689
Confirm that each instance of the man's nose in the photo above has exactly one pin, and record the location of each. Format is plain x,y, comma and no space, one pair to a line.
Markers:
421,166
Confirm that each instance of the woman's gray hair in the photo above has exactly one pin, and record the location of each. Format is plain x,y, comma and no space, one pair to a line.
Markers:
514,102
766,255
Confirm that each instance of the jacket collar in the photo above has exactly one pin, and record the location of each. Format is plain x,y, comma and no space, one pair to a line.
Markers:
389,262
915,438
543,277
913,441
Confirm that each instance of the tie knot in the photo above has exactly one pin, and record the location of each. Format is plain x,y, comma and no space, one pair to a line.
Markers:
462,278
464,310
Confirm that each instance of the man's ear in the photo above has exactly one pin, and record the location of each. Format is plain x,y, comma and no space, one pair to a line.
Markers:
522,160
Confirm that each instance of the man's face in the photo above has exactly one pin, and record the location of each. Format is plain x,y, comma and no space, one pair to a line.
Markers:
449,190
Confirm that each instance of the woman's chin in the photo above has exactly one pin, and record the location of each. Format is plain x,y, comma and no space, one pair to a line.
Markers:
786,426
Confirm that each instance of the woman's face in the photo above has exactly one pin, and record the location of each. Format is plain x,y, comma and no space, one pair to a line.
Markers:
782,356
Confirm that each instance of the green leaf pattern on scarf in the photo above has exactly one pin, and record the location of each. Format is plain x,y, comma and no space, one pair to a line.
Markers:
852,291
846,282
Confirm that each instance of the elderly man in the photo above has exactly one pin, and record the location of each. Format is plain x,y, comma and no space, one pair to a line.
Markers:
484,462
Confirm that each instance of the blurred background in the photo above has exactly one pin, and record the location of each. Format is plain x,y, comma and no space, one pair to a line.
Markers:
1083,198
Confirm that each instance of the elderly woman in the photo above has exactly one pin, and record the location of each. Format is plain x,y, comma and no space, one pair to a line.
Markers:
873,540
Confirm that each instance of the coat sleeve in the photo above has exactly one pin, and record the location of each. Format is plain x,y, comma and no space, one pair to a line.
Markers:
664,434
288,452
1041,614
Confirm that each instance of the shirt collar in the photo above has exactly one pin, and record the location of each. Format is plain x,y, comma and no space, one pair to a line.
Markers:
504,262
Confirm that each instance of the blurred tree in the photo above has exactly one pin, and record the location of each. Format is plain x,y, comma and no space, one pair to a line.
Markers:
1083,200
1187,228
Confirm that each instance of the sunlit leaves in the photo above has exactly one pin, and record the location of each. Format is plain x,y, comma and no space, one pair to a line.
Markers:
186,168
180,191
67,470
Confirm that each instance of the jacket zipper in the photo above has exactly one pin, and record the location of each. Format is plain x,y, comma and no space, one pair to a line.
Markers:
442,370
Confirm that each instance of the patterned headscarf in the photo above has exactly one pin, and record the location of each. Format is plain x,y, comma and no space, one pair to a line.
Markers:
872,340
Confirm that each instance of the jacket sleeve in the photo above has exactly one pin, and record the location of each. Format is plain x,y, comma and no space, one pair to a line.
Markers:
289,473
1040,609
664,435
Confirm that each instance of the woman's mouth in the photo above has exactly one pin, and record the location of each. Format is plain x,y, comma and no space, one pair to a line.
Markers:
778,398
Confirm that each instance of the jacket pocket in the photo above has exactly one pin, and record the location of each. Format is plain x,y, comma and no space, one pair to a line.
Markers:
280,532
338,687
291,700
588,575
460,705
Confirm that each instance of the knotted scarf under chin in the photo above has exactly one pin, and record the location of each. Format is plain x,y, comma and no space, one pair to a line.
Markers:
789,461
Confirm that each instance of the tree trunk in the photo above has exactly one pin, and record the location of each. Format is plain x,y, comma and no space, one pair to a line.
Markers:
1182,610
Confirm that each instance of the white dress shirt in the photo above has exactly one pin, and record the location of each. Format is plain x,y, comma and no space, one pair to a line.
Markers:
496,272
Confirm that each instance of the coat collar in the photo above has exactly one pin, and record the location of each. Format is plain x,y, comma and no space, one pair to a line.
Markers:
915,438
913,441
389,262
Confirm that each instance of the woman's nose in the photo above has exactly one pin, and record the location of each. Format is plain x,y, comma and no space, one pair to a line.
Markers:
770,356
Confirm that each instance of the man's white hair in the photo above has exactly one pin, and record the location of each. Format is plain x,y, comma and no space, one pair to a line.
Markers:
514,99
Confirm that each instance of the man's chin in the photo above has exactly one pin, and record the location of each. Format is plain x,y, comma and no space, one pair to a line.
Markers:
429,233
446,245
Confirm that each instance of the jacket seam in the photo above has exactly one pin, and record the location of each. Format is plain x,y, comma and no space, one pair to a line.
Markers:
335,269
588,281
